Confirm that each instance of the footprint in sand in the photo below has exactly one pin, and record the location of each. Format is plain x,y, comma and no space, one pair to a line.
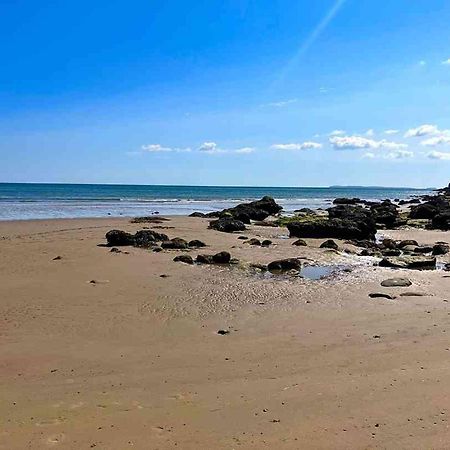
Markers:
49,422
56,439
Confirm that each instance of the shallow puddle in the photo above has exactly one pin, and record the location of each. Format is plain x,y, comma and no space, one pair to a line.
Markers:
317,272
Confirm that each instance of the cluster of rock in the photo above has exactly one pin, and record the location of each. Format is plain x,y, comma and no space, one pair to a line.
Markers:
218,258
235,219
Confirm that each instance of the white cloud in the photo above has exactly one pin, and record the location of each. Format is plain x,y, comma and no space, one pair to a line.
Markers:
443,138
446,62
245,150
359,142
391,132
369,155
337,133
370,132
423,130
400,154
439,155
294,146
422,63
209,147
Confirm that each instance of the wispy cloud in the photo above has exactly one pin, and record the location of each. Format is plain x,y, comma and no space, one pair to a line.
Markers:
281,103
422,130
446,62
439,155
392,132
370,132
337,133
360,142
210,147
245,150
297,146
392,155
442,139
422,63
158,148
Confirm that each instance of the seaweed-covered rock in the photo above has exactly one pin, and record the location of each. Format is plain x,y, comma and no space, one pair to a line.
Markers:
385,213
147,238
118,238
346,201
187,259
441,221
175,243
227,225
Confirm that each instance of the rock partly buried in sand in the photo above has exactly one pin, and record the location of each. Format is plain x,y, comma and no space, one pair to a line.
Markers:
118,238
227,225
413,294
148,238
300,243
175,243
423,249
223,332
187,259
284,265
253,241
391,252
440,249
204,259
329,244
197,214
57,258
396,282
115,250
196,244
407,242
243,238
409,262
221,258
149,219
266,243
382,295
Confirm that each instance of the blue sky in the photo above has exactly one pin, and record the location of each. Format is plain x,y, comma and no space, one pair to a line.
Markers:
226,92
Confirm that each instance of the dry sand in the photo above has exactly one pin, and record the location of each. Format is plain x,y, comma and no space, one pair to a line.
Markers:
134,360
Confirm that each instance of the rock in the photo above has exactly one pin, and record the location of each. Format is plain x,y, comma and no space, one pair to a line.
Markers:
440,249
284,265
391,252
266,243
329,244
382,295
409,262
227,225
243,238
204,259
407,242
423,249
300,243
253,241
441,221
423,211
187,259
223,332
197,214
149,219
368,252
118,238
157,249
346,201
115,250
57,258
256,210
409,248
413,294
175,243
396,282
389,244
147,238
307,211
196,244
261,267
385,213
234,261
221,258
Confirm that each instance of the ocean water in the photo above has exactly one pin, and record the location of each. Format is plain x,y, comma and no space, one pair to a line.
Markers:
43,201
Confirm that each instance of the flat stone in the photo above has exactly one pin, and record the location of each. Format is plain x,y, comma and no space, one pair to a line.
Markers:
396,282
382,295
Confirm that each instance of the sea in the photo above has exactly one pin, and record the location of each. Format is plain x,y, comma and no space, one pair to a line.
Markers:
24,201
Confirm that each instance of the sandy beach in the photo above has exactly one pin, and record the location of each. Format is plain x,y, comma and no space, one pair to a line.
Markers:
99,351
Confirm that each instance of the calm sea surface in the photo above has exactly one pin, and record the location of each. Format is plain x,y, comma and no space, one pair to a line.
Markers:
42,201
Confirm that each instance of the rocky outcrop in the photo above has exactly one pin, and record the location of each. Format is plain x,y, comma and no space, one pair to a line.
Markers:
143,238
175,244
284,265
409,262
385,213
187,259
329,244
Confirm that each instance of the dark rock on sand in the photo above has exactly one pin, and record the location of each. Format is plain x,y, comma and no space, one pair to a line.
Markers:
118,238
423,249
197,214
227,225
440,249
175,243
385,213
243,238
441,221
187,259
391,252
221,258
409,262
300,243
196,244
389,244
382,295
284,265
253,241
346,201
329,244
413,294
266,243
115,250
223,332
147,238
157,249
57,258
423,211
204,259
396,282
407,242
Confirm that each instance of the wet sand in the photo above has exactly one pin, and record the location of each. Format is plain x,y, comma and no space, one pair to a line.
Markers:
134,360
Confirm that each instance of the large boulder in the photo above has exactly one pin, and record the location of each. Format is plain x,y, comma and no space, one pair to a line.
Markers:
245,212
175,244
344,222
423,211
147,238
227,225
119,238
385,213
346,201
441,221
